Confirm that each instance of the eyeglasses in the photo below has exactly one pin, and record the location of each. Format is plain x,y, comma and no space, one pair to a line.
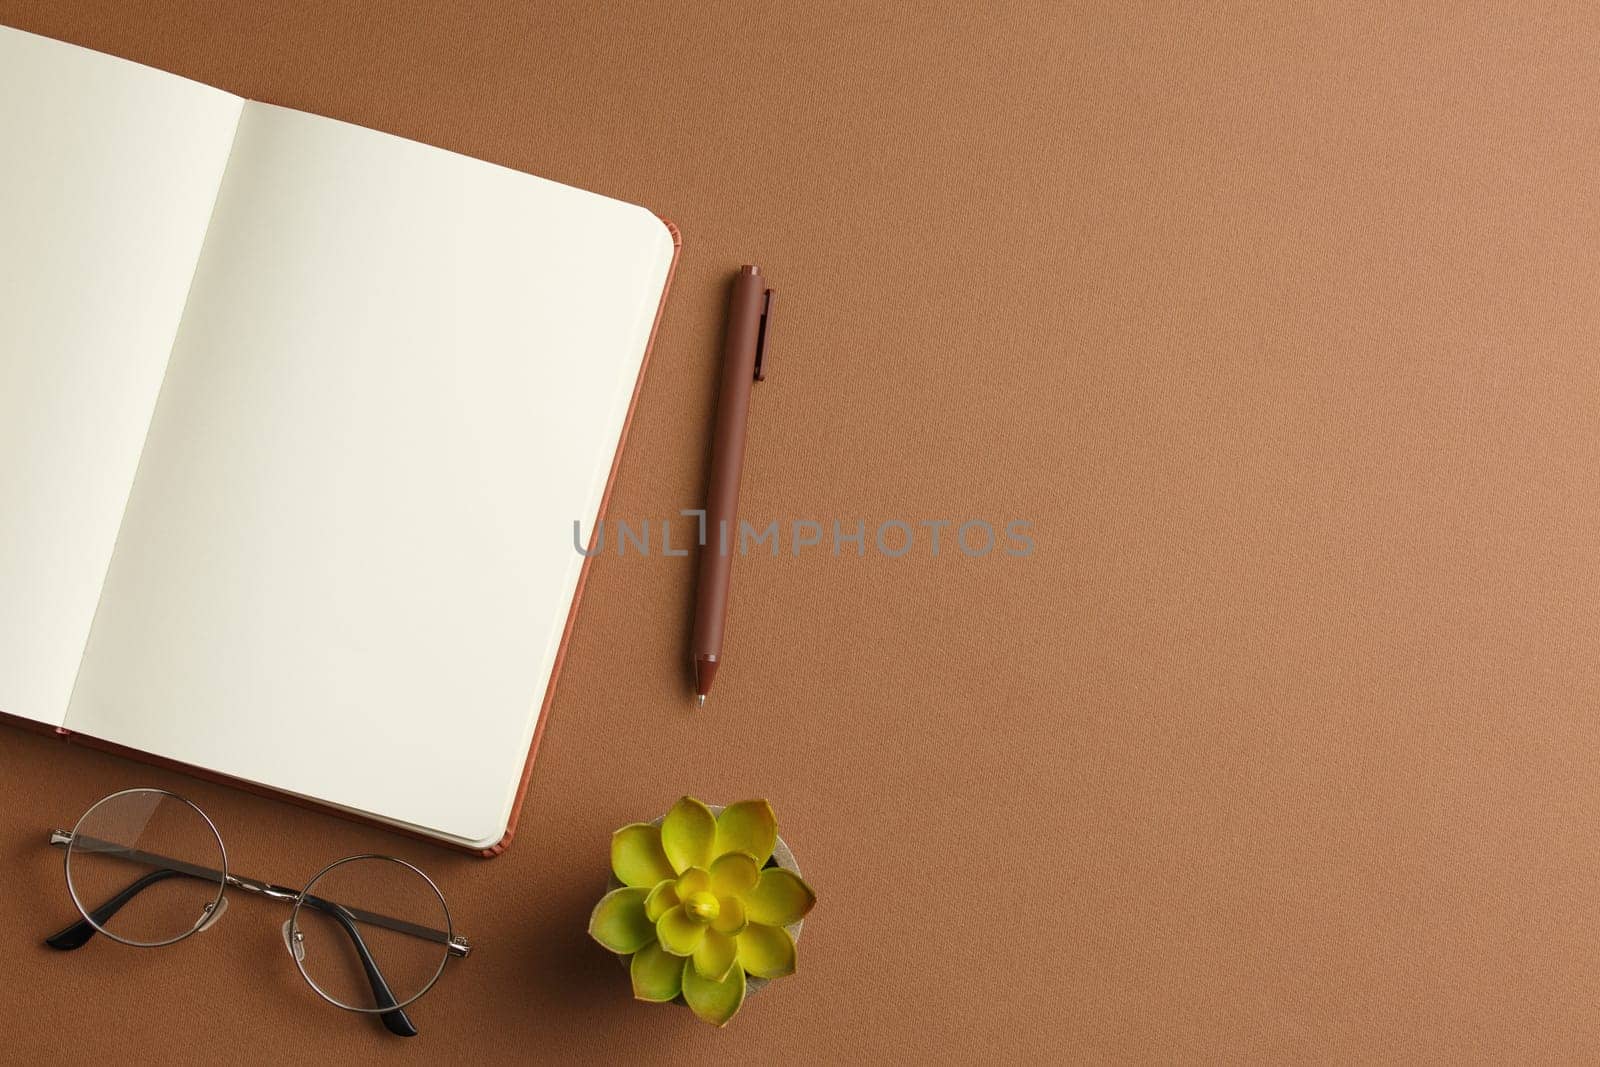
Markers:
352,913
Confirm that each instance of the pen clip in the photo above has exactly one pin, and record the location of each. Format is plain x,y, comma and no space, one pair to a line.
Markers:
761,333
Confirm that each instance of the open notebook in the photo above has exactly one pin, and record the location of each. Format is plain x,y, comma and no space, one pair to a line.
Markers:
295,421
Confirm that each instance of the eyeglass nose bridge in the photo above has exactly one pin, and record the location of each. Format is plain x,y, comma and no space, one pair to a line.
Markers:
260,888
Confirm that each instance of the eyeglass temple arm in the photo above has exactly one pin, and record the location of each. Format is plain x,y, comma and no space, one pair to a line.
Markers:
395,1018
455,945
78,934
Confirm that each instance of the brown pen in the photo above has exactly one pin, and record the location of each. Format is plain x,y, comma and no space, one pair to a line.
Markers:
743,352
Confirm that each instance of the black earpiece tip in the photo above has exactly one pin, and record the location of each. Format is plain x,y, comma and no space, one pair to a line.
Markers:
399,1023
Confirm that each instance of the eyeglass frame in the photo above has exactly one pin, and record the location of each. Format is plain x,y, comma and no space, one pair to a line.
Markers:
394,1017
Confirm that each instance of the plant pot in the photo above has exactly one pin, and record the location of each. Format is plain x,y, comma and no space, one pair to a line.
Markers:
782,856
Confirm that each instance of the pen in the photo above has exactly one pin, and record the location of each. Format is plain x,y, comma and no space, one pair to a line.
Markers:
743,352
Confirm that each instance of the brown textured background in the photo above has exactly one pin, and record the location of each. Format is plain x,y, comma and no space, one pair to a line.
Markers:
1280,325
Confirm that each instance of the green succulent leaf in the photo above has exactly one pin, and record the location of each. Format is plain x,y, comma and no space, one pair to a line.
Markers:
687,834
734,874
730,920
779,898
716,956
715,1002
657,974
619,923
662,899
678,933
748,826
637,858
692,881
766,951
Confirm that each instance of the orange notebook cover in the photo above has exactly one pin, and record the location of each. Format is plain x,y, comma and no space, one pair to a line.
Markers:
296,504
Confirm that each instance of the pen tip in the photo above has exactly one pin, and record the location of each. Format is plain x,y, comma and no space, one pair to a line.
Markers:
700,701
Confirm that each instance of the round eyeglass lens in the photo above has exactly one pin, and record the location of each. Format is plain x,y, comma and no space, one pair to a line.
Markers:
370,933
146,867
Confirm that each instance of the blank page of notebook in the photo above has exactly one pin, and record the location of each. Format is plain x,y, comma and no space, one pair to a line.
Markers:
108,171
348,558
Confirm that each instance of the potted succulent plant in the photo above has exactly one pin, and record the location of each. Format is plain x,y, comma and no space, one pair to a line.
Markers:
707,902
